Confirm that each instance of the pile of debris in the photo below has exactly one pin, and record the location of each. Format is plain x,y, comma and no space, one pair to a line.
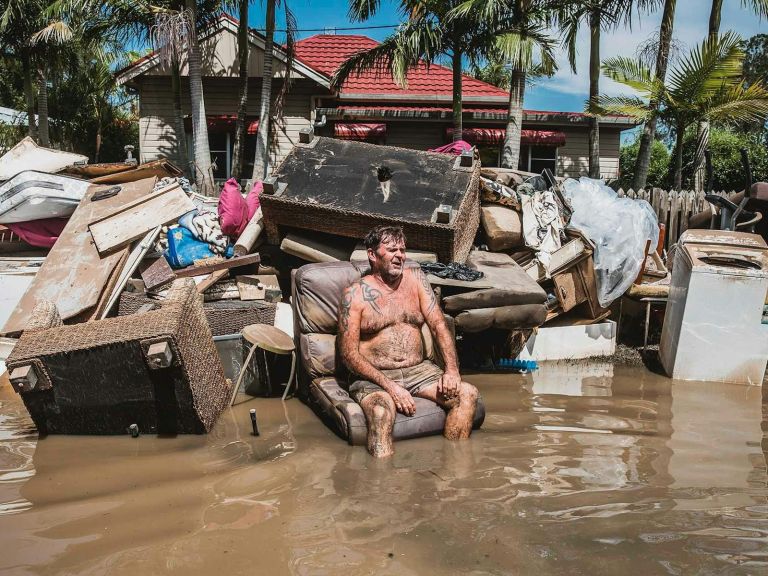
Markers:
143,273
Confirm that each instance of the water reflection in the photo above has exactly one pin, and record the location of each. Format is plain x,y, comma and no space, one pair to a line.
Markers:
606,469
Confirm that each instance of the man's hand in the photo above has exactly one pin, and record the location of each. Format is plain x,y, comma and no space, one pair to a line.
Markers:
403,399
449,385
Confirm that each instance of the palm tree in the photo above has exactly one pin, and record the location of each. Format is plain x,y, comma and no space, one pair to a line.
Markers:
261,161
243,50
518,29
706,85
598,15
432,30
760,7
19,20
649,129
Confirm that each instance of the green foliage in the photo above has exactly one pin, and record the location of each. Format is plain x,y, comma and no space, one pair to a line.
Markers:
725,145
658,168
756,59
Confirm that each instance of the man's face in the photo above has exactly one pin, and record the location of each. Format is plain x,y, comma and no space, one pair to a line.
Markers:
388,259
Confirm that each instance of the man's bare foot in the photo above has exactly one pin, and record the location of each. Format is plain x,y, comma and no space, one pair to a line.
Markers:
379,409
458,422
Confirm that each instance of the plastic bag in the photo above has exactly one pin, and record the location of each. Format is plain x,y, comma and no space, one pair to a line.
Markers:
620,229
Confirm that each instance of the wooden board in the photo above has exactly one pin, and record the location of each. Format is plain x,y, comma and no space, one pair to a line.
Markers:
317,248
74,275
154,169
253,286
199,270
213,277
133,221
157,274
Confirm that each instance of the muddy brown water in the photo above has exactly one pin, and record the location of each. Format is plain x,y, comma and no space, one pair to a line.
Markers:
596,470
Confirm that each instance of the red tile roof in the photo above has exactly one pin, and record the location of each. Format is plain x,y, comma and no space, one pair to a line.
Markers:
325,52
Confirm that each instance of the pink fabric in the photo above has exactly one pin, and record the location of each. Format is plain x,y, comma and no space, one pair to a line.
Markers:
233,210
42,233
455,148
252,200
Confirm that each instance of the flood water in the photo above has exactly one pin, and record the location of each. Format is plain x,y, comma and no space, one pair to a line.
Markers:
605,470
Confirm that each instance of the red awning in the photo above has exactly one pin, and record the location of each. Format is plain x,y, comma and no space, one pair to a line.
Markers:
349,131
225,123
496,136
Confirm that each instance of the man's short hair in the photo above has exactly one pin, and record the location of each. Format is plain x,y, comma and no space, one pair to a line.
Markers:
383,234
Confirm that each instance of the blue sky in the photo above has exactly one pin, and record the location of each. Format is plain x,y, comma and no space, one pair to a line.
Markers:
565,91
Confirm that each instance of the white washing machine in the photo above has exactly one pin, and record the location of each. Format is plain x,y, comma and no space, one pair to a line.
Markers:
713,328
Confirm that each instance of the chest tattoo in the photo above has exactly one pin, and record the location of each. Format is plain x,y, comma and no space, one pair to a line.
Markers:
370,295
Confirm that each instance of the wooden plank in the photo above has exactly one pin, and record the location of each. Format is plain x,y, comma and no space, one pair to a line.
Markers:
74,275
133,223
211,280
134,259
200,270
157,274
254,286
136,202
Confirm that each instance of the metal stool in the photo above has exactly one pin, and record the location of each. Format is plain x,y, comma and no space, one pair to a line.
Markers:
269,339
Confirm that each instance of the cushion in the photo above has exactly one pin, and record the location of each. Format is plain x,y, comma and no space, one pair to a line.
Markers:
494,298
318,354
503,227
505,318
233,210
502,272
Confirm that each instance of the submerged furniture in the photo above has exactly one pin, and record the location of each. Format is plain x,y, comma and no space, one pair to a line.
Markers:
346,188
157,369
269,339
712,328
321,376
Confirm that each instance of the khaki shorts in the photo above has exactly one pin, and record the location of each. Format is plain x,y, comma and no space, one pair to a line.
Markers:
414,379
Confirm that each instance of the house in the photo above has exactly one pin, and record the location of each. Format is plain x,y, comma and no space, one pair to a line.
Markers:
370,107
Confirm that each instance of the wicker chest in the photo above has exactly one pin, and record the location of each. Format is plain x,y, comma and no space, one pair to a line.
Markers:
346,188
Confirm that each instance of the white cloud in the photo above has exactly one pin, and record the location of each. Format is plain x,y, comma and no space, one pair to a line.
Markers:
690,27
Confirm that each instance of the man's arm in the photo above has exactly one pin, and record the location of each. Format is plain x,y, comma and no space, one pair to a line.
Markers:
433,315
350,313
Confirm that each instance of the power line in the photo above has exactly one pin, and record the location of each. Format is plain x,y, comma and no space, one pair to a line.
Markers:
331,28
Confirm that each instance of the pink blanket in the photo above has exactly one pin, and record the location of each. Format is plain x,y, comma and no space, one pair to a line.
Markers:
42,233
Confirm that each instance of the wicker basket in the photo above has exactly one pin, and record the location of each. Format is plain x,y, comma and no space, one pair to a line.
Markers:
451,242
223,316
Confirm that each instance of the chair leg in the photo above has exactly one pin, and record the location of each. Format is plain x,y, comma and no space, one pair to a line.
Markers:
647,322
241,375
292,375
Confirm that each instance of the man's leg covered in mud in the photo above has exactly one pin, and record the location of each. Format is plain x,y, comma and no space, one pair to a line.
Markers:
379,410
461,409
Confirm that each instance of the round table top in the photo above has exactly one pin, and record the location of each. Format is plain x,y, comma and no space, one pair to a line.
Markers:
269,338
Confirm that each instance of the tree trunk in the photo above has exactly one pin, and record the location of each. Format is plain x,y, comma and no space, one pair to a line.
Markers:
203,168
29,95
42,108
242,50
261,161
458,104
510,156
714,17
178,120
594,93
677,179
98,143
702,142
649,130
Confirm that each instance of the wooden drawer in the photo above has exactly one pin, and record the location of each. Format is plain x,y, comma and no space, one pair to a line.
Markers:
570,288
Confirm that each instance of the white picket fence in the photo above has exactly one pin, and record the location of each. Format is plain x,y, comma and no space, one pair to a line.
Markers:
673,207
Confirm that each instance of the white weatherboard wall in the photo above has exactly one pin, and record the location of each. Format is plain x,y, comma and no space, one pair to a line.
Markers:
571,342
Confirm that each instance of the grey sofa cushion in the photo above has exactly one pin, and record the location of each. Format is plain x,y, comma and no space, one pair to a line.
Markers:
494,298
506,318
318,355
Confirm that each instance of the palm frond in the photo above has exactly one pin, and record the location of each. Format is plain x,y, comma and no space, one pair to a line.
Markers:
632,73
361,10
57,32
631,106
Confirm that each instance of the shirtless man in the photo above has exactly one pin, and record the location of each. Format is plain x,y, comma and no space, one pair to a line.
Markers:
380,322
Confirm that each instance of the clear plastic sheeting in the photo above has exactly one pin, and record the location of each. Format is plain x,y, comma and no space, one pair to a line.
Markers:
620,228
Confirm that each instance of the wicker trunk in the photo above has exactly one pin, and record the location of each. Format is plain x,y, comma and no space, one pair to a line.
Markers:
346,188
100,377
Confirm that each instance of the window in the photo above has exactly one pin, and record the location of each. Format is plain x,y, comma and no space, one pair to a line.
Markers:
532,158
222,146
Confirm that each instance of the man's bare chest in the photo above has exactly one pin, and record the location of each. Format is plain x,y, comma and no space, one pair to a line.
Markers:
383,309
